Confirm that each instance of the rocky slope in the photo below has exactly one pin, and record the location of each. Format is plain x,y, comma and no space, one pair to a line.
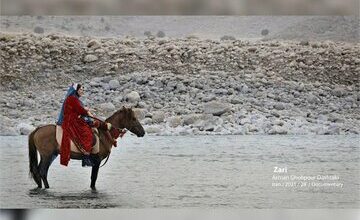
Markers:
185,86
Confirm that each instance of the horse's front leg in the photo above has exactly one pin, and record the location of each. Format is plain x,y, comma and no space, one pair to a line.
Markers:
95,169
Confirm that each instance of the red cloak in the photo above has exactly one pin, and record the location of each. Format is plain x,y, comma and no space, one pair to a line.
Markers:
74,128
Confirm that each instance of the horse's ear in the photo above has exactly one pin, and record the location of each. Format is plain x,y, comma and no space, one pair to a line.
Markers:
125,109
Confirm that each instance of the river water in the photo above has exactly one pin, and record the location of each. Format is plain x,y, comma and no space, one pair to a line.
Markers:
194,171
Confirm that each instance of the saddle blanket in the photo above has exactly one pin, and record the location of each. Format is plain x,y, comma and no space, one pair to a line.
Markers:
73,148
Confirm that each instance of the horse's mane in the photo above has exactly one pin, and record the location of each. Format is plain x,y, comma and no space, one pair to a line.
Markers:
123,109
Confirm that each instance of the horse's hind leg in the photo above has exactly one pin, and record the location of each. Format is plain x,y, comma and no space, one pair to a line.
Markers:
44,165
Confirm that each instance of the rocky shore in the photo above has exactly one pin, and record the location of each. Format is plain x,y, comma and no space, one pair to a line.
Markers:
185,86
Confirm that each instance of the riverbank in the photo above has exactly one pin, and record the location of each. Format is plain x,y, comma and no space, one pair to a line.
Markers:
185,86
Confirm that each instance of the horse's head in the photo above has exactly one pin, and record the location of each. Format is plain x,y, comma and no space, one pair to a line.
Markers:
125,118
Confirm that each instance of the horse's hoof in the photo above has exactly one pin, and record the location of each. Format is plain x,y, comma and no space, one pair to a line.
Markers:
47,187
93,188
37,189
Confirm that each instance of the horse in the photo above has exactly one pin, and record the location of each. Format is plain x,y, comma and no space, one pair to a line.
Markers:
43,140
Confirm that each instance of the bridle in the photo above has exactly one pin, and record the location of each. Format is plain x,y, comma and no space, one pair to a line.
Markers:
113,135
120,130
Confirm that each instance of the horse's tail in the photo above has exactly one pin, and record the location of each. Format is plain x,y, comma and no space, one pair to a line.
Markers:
33,159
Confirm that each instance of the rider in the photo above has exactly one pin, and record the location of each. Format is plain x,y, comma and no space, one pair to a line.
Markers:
76,126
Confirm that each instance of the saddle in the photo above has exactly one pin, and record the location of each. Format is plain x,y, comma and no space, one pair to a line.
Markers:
73,148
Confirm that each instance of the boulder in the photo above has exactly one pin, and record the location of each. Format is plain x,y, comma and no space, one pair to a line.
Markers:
252,49
339,92
279,106
158,105
94,44
191,119
133,97
24,128
244,121
152,130
158,117
304,43
146,121
142,105
278,130
90,58
312,99
174,121
139,113
108,106
278,122
28,102
235,100
216,108
78,68
212,123
208,98
333,129
114,84
181,88
252,128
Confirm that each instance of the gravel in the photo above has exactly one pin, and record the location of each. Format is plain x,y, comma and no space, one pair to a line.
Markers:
185,86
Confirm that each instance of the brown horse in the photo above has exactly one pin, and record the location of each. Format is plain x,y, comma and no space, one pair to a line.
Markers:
43,140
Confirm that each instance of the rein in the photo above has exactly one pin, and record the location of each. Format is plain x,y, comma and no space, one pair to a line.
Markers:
115,132
112,126
107,158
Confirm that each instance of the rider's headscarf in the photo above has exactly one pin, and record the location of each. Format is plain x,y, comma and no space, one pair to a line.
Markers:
72,90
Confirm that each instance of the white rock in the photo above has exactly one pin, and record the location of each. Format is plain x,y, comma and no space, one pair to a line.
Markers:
333,129
174,121
181,88
244,121
133,97
28,103
118,99
278,130
216,108
278,122
142,105
25,128
191,119
158,105
152,130
139,113
146,121
339,92
158,117
90,58
114,84
279,106
94,44
209,98
77,68
252,128
312,99
235,100
108,106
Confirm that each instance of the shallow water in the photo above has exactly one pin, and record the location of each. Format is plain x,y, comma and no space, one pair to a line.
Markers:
199,171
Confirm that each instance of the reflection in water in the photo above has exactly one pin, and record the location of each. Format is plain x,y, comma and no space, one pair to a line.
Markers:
72,199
